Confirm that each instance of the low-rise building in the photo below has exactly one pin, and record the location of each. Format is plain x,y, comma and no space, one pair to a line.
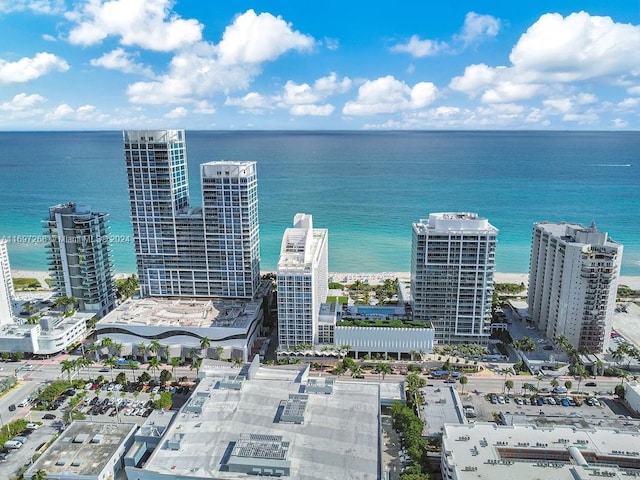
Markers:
179,324
632,396
54,332
86,451
486,451
442,405
269,421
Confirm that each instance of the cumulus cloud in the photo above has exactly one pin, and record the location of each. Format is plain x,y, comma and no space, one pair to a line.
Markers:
178,112
122,61
312,110
254,38
27,69
23,105
388,95
251,101
557,51
420,48
476,28
64,112
204,69
47,7
150,24
324,87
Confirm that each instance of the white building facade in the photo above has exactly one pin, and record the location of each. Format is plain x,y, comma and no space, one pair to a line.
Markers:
79,257
573,281
6,286
452,275
302,279
388,341
211,250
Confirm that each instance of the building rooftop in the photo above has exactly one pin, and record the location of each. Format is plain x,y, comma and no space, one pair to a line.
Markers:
442,406
84,448
271,419
487,451
161,312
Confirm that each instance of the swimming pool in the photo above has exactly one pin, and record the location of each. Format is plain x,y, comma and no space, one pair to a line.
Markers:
384,311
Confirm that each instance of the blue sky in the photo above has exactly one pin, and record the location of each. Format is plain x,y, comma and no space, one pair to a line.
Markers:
196,64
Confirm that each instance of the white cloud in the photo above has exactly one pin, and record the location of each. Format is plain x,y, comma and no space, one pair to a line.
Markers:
331,43
577,47
49,38
27,69
478,27
259,38
122,61
251,100
420,48
23,106
204,69
48,7
634,90
203,107
388,95
313,110
324,87
557,51
178,112
149,24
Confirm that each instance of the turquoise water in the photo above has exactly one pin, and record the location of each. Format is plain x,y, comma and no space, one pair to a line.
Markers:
365,187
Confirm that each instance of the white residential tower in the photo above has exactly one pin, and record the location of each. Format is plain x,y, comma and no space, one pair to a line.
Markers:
303,275
452,268
6,286
573,281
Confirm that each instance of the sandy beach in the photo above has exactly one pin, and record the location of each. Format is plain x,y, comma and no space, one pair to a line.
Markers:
372,278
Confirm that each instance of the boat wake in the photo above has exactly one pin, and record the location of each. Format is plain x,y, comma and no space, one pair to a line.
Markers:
614,165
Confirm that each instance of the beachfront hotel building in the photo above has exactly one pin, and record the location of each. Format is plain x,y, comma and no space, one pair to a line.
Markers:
302,279
6,286
182,250
573,281
452,274
79,257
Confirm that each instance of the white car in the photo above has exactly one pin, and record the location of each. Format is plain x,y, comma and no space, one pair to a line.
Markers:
32,426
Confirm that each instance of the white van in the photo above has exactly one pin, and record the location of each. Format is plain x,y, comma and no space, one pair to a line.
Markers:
12,444
32,426
24,403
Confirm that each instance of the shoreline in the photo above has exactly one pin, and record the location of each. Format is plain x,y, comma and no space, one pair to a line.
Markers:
372,278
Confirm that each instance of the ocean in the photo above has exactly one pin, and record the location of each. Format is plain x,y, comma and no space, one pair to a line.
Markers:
365,187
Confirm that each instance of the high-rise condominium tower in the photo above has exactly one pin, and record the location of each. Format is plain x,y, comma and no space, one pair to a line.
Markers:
79,257
573,281
452,267
303,274
187,251
6,286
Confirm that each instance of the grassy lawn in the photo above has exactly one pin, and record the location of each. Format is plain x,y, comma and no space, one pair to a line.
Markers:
341,300
26,284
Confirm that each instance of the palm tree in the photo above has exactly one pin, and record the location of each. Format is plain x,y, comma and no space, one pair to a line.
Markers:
195,365
154,347
141,349
204,346
93,350
568,384
581,372
555,383
111,362
117,349
174,362
356,371
107,343
219,350
67,366
383,369
505,371
86,363
463,381
40,475
509,385
133,365
154,364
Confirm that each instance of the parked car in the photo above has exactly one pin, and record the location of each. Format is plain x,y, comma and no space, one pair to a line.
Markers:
48,416
12,444
12,407
591,384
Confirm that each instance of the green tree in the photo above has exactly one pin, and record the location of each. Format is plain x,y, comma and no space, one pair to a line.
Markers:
174,362
144,378
121,378
133,366
154,366
141,350
165,401
111,362
196,363
509,385
555,383
204,346
463,381
620,391
383,369
356,371
67,366
154,347
40,475
219,350
525,344
165,376
568,384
